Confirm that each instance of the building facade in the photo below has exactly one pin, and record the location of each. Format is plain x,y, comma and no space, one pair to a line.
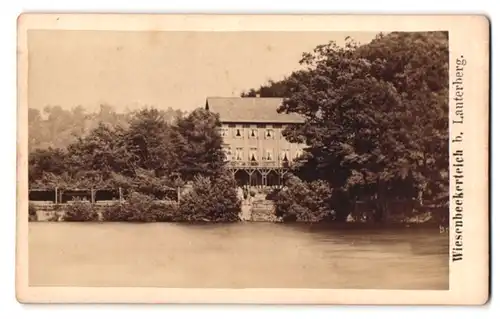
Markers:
256,150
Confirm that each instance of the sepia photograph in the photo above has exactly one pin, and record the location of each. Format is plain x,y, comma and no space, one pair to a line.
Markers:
245,159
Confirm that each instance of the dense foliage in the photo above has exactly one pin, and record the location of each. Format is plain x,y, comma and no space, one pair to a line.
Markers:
57,128
149,154
271,89
80,212
197,145
304,201
211,200
141,208
149,157
376,115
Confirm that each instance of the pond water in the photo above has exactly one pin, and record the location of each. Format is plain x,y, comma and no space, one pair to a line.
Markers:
242,255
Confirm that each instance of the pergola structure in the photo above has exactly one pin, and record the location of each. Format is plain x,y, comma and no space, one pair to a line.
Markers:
63,195
92,195
259,173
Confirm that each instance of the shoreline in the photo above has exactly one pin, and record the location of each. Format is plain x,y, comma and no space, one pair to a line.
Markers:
314,225
397,221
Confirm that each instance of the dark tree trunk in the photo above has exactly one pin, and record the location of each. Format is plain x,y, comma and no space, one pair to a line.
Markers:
341,215
380,204
343,208
379,216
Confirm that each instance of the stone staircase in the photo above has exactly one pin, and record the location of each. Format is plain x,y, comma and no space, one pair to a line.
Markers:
258,209
262,211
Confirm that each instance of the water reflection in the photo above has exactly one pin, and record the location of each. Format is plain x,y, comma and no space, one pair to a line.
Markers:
244,255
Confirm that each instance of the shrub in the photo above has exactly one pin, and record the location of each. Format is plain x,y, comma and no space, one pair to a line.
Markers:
114,213
54,217
58,212
304,202
273,194
32,215
80,212
211,200
141,208
167,212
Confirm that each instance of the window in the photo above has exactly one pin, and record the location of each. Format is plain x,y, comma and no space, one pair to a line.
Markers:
227,152
223,131
285,156
298,154
276,125
239,153
269,134
269,155
252,156
253,133
238,132
261,125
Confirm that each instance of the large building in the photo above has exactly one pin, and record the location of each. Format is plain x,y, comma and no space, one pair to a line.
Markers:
257,151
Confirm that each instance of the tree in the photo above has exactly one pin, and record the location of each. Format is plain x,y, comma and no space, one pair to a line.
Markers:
103,151
149,142
46,161
198,145
376,116
419,71
58,128
34,129
211,200
304,201
271,89
140,155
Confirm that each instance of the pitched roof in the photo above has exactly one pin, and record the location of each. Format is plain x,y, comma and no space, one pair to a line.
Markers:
250,109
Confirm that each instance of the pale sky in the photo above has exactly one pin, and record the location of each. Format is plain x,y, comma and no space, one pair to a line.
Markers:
161,69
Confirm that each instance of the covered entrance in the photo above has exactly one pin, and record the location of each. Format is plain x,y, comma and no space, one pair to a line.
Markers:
259,176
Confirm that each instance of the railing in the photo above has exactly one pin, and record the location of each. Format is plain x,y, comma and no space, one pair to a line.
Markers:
62,196
283,164
47,205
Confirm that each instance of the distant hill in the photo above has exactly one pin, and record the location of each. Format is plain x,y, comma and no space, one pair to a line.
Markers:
57,127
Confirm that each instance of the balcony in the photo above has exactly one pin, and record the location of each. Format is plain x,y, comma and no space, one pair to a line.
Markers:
250,164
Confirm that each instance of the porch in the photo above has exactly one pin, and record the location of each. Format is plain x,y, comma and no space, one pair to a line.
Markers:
259,174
